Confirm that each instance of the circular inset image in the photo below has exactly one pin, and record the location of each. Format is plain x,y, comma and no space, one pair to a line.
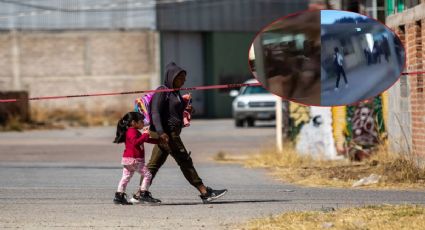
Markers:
326,57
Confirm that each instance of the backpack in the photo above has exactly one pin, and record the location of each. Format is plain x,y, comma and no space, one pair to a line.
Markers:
143,106
336,60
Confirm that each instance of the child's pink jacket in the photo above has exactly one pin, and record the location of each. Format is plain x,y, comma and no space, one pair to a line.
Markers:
134,143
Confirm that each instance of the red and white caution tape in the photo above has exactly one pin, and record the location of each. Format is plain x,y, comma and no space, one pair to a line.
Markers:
153,91
229,86
413,73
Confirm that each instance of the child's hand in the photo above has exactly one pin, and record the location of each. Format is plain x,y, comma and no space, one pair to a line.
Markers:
145,130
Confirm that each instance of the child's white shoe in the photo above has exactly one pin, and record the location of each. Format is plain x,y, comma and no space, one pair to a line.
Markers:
134,199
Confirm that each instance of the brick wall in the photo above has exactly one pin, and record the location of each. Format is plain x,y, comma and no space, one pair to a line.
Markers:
80,62
399,111
410,26
414,39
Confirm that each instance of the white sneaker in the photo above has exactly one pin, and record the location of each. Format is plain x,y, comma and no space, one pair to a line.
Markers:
346,85
336,89
135,200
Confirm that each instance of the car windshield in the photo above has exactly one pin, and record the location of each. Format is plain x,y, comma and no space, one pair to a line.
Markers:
255,90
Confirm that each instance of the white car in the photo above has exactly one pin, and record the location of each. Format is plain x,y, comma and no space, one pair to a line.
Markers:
252,103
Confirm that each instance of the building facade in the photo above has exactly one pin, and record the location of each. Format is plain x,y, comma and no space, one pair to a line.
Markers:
211,39
407,99
62,47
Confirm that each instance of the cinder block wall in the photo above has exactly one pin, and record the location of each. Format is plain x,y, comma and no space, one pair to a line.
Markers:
410,26
79,62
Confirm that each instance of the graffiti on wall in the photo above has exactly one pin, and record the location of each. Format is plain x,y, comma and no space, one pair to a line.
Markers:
315,137
339,126
298,116
351,130
365,127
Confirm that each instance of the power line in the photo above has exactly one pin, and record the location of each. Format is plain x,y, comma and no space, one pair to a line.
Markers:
121,6
86,8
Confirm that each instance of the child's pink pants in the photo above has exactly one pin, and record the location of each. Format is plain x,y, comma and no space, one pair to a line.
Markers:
131,165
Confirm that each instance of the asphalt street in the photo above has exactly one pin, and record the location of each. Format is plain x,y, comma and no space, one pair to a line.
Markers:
363,83
65,179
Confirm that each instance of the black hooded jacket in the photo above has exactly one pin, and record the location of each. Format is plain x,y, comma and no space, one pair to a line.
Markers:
167,107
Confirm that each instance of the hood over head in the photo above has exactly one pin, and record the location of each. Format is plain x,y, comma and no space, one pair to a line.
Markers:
171,72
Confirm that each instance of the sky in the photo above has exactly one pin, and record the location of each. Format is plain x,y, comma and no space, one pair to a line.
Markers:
329,16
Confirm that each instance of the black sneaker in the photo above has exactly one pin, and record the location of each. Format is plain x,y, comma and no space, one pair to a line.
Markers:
121,198
212,195
146,197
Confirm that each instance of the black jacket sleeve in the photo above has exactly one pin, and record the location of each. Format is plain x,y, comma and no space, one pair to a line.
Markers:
157,104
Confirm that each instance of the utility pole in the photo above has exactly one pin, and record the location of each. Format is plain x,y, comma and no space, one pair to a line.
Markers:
279,121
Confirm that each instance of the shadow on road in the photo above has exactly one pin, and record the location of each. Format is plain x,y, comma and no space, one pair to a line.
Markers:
226,202
262,126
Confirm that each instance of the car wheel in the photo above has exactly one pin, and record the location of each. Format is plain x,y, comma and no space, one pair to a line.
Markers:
250,122
239,123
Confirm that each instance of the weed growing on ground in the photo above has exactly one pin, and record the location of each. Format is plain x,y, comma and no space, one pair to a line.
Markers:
369,217
397,170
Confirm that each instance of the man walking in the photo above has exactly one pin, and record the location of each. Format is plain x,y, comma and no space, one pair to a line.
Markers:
339,69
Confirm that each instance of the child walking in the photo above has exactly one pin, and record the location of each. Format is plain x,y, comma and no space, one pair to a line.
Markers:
133,159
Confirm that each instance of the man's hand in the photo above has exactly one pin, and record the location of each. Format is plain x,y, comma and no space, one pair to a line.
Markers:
163,139
190,109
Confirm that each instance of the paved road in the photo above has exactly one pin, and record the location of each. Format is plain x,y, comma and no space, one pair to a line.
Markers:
364,82
94,146
72,187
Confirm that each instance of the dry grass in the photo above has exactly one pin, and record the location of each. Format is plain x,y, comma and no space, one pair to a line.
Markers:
59,119
13,124
220,156
77,117
370,217
224,157
397,171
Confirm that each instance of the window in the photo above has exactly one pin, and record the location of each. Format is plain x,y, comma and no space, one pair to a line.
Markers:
390,7
396,6
400,5
255,90
411,3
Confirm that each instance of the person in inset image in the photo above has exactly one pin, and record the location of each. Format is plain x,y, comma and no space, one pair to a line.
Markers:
377,52
354,46
339,68
386,48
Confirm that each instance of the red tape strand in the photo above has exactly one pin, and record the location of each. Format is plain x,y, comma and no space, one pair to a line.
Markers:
154,91
413,73
133,92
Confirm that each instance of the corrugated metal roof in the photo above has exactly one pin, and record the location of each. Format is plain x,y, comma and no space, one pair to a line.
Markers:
180,15
223,15
77,14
